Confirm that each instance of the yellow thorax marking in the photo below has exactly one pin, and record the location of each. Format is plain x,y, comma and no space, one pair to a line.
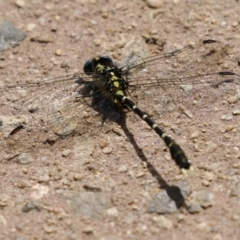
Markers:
116,84
100,67
114,79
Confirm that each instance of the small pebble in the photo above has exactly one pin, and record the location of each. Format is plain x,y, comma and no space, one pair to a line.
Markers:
235,190
30,26
44,178
54,27
77,176
20,3
48,6
162,222
235,24
24,170
229,128
209,176
66,152
39,191
88,230
107,150
140,174
154,3
25,158
122,169
49,229
44,38
112,212
195,134
181,217
236,112
194,207
58,52
2,65
205,183
97,42
65,64
204,198
31,205
233,99
22,184
103,143
226,117
235,217
4,200
105,15
91,188
211,147
217,237
202,226
33,108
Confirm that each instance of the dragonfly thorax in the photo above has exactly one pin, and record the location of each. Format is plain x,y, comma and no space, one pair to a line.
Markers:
106,75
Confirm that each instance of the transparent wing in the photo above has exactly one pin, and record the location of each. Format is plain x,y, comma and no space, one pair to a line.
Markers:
185,74
179,67
63,106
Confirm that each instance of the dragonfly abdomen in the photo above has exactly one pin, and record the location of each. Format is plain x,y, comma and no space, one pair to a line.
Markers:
176,151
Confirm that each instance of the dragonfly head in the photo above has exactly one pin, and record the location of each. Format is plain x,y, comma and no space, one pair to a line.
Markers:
90,65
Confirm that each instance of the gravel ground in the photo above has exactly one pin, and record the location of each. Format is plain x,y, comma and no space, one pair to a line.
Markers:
122,184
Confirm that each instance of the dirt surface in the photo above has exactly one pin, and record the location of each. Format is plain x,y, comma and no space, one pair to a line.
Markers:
103,187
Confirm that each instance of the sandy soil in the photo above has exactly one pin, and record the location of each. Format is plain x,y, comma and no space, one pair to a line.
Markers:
102,187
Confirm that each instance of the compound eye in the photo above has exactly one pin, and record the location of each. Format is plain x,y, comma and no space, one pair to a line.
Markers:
88,67
106,61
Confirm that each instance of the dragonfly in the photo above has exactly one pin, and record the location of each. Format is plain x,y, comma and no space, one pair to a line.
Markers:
73,104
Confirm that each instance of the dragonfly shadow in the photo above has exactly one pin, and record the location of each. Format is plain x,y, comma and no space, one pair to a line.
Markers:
172,191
